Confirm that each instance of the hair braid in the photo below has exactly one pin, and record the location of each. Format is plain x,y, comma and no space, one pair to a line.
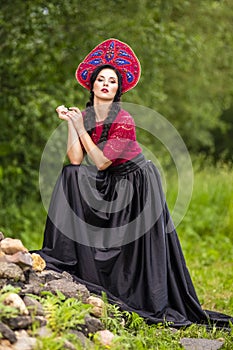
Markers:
114,110
89,120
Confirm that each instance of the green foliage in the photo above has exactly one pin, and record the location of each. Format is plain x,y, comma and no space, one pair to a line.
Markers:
160,336
113,319
222,136
54,342
184,48
206,234
211,210
50,342
131,331
25,222
64,313
134,321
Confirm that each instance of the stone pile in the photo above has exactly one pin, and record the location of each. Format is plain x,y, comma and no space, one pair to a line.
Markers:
20,268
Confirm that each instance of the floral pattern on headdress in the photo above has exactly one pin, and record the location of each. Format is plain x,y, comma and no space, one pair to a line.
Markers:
117,54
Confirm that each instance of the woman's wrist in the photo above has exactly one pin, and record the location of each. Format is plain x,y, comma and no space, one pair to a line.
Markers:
81,132
93,150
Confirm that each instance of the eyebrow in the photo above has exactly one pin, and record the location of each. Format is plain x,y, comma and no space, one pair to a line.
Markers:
101,76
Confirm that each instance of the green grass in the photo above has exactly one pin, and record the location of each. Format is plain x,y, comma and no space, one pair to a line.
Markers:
129,329
206,235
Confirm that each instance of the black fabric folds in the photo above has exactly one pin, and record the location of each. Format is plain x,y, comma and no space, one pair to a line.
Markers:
112,231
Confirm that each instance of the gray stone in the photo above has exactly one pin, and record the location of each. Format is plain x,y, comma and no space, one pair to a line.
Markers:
34,277
68,345
98,306
43,332
201,344
46,276
34,306
32,289
69,289
11,271
84,341
7,333
93,324
5,344
19,322
12,245
22,259
41,320
104,337
3,282
14,300
49,275
67,275
24,341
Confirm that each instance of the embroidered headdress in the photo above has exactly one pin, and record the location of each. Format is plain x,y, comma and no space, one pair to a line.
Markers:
117,54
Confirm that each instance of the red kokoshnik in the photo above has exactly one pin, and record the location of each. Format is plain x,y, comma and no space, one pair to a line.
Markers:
117,54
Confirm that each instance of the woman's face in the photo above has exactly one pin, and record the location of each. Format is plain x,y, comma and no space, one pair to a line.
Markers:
105,85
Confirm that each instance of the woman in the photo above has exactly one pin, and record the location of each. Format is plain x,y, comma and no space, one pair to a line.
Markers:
108,223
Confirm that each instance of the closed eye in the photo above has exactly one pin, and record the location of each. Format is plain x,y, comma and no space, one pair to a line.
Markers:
111,80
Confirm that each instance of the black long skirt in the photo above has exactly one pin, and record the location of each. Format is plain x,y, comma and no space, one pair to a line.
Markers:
112,231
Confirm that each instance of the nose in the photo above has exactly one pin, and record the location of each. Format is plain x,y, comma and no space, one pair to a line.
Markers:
105,83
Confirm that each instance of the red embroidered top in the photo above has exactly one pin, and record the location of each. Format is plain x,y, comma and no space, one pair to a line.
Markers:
121,144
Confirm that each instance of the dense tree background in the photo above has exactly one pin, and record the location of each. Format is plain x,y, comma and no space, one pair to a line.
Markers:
185,50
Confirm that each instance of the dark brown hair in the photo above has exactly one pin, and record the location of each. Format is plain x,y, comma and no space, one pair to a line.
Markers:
89,120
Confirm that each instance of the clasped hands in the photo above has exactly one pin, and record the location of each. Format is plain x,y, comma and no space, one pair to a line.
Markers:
74,115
